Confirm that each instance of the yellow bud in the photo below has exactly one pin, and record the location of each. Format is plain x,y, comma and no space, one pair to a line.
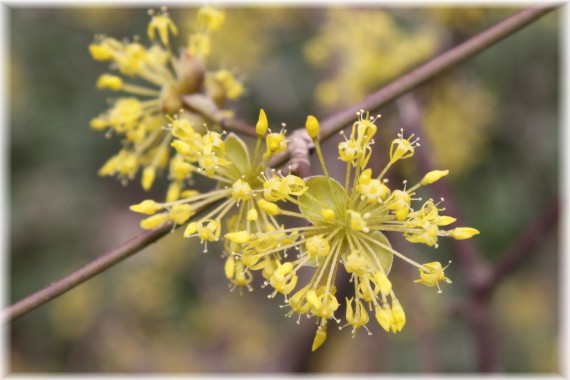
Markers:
112,82
433,176
100,52
240,237
328,214
148,176
269,207
313,127
252,215
383,282
262,124
148,207
182,147
180,213
384,317
229,267
445,220
320,338
462,233
173,192
398,316
99,123
191,229
154,221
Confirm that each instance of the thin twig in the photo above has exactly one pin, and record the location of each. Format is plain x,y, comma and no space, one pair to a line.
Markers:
100,264
436,66
329,126
521,249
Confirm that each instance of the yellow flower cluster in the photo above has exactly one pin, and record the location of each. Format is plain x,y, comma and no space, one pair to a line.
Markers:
175,85
347,223
360,49
245,195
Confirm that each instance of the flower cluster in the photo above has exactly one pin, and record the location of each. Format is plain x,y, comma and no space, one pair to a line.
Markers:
159,84
347,223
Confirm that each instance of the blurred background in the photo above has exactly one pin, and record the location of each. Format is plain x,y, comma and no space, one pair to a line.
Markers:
493,121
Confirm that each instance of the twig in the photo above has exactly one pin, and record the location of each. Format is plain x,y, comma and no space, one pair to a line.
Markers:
474,268
521,249
100,264
328,127
436,66
481,279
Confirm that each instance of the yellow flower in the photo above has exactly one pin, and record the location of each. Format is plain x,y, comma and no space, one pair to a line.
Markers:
154,98
347,226
431,274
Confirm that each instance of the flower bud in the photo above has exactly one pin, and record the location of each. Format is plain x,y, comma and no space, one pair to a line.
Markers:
312,125
462,233
262,124
433,176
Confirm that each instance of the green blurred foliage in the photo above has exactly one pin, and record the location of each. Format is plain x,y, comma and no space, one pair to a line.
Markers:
168,308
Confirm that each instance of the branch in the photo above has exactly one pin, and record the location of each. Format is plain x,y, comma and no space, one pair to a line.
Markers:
521,249
329,126
436,66
79,276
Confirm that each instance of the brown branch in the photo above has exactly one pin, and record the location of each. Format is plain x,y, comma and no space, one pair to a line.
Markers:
329,126
436,66
471,262
521,248
100,264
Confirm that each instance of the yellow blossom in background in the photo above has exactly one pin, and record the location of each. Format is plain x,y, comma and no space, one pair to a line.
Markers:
369,49
457,131
248,36
160,82
457,120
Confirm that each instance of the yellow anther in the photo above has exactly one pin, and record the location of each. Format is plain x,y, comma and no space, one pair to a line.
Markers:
313,127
